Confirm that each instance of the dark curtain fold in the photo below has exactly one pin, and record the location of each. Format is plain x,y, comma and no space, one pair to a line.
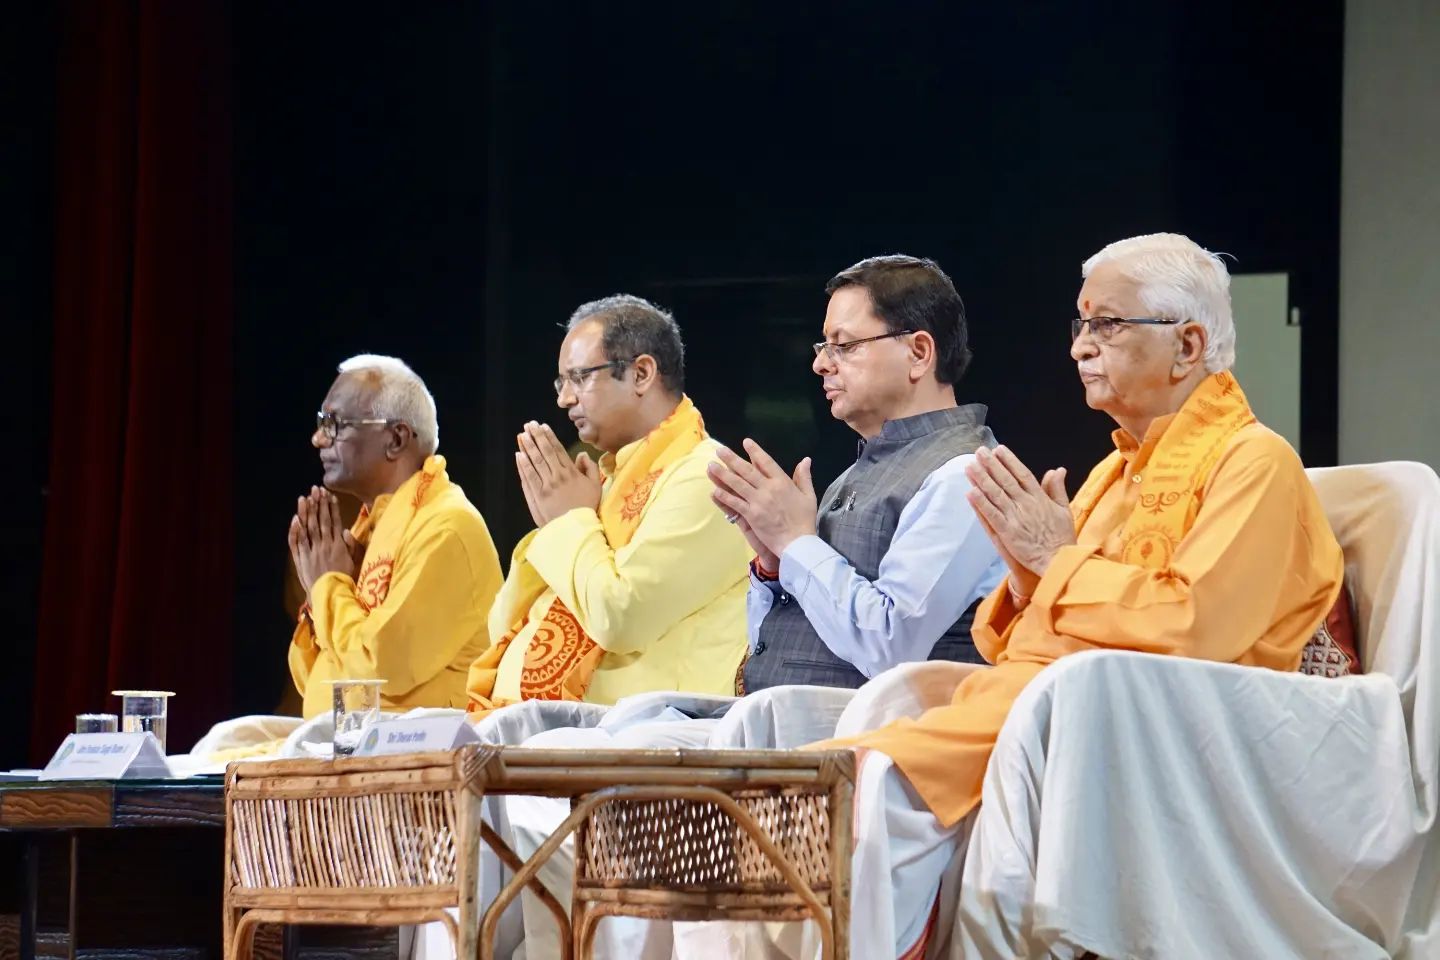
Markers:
137,582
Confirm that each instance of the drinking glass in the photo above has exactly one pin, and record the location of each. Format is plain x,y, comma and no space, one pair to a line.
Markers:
144,711
96,723
357,705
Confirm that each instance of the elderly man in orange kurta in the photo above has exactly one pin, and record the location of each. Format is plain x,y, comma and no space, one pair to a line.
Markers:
1199,536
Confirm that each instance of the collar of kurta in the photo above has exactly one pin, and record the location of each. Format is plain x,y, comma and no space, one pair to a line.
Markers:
906,429
613,463
1132,449
413,491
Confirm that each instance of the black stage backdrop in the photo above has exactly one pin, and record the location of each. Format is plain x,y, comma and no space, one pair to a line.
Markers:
447,182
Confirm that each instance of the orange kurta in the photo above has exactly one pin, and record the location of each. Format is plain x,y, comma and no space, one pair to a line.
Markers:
1254,574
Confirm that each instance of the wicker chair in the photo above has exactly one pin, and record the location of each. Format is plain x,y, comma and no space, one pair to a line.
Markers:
381,841
701,835
663,834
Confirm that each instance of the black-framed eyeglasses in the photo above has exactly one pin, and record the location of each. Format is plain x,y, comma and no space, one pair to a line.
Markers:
836,351
331,424
1103,328
578,377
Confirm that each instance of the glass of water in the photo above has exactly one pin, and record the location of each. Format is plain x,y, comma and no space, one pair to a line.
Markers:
357,706
96,723
144,711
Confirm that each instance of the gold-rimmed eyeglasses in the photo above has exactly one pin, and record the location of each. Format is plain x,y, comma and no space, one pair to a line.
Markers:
838,351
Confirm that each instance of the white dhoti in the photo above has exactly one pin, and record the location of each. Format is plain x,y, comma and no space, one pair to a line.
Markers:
559,725
531,820
902,854
901,851
1134,801
508,726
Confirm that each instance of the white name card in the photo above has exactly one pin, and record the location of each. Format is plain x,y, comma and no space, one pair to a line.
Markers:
415,735
107,756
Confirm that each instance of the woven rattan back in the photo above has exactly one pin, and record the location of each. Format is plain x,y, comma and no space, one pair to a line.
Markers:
384,840
671,844
669,834
394,840
755,835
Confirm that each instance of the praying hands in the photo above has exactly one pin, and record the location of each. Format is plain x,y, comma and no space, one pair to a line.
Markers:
1028,520
554,484
319,542
771,508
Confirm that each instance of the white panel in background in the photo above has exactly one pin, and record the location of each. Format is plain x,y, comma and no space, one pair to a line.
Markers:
1267,350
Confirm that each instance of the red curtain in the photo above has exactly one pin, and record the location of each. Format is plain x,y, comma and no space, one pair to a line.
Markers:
137,582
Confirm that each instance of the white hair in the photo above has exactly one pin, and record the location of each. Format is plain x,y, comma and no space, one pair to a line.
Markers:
400,395
1179,280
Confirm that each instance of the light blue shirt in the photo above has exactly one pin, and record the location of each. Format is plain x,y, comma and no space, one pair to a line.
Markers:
940,561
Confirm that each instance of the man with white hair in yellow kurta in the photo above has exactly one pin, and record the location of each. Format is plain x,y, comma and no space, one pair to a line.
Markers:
402,595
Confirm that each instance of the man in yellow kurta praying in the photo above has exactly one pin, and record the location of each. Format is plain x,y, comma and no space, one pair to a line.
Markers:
632,581
402,595
1199,536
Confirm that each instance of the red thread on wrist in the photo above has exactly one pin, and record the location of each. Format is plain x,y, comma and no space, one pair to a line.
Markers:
762,572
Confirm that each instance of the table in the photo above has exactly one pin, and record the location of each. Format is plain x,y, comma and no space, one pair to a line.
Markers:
106,868
118,869
395,839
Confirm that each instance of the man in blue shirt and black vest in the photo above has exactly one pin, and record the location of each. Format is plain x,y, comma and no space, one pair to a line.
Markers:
887,566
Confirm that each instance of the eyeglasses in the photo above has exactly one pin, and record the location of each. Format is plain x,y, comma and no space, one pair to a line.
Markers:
330,424
1103,328
838,351
579,377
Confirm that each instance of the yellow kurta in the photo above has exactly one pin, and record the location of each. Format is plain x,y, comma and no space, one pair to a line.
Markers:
667,608
416,618
1248,583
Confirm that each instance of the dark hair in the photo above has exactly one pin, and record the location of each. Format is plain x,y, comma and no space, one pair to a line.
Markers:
631,326
913,293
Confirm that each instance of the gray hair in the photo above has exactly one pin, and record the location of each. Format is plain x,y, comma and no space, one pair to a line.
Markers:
632,326
400,395
1179,280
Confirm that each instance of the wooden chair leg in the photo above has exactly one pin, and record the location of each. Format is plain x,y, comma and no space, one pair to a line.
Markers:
579,923
588,923
243,944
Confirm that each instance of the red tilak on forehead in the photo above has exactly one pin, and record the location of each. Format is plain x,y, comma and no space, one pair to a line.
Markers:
1087,304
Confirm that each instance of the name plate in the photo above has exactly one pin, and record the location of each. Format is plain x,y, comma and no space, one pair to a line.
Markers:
107,756
415,735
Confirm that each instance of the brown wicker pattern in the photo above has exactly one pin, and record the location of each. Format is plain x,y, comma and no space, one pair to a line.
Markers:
378,842
667,834
384,840
685,845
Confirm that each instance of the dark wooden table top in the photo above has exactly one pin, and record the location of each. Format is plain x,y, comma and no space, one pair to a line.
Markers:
68,804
